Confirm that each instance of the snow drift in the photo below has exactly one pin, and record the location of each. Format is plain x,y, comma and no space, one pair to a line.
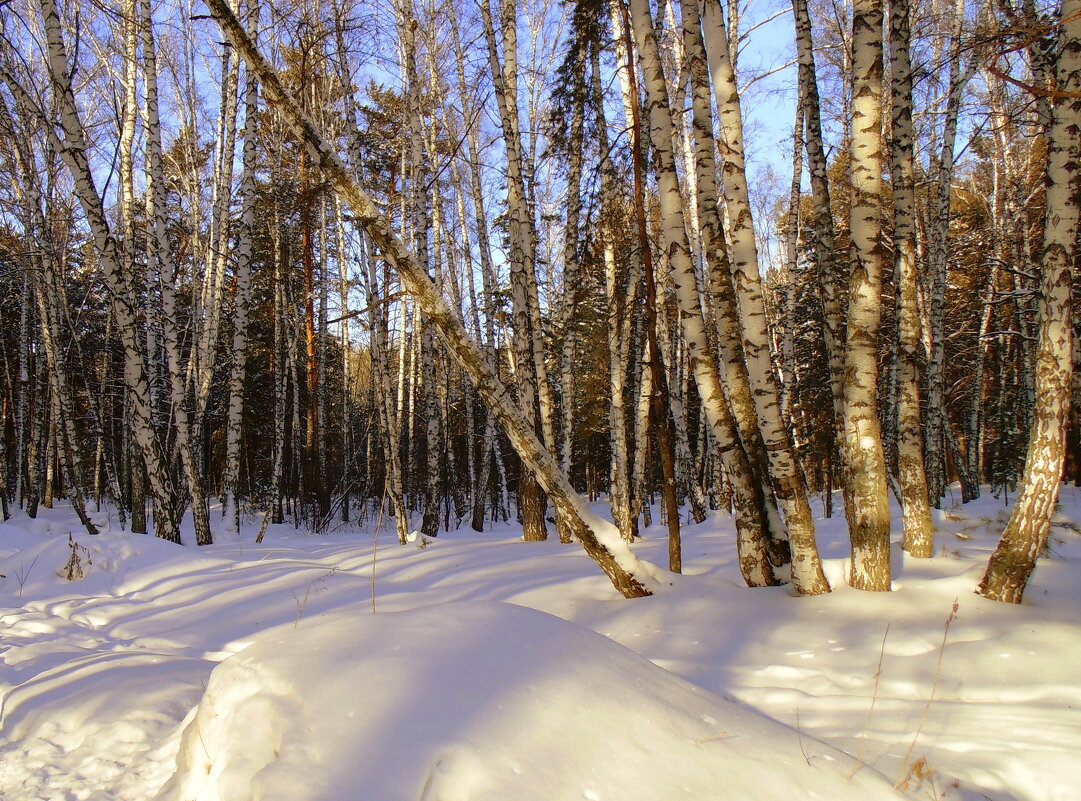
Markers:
482,700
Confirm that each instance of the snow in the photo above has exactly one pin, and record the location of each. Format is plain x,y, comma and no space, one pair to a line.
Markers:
646,573
483,667
479,700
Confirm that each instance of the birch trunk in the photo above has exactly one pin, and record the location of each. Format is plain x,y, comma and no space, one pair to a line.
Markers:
1004,219
35,454
829,281
807,575
42,272
521,257
388,413
161,264
50,435
22,418
73,149
660,410
480,218
1025,537
918,530
312,471
422,224
71,456
642,496
571,269
867,508
5,510
787,312
207,308
277,368
730,344
942,163
618,330
231,480
620,289
639,480
600,540
349,380
750,521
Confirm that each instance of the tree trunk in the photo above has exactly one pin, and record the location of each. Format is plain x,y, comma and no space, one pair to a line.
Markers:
726,313
867,508
600,540
73,149
942,163
918,530
575,147
231,480
1025,537
807,575
528,378
660,415
750,520
830,282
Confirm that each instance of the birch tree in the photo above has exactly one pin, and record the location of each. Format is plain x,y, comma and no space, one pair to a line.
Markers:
44,270
791,494
68,137
748,501
918,532
660,407
1025,536
600,540
528,350
942,170
245,232
867,509
621,285
822,236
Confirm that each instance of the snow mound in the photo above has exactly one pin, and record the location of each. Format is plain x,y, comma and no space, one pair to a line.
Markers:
482,700
98,727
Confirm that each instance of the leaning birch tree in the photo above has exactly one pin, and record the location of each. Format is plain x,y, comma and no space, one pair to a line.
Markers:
751,522
791,493
1025,536
601,540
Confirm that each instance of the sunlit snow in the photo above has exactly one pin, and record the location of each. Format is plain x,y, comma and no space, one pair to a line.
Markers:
481,667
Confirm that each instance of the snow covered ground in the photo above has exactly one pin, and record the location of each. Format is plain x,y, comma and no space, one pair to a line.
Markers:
324,667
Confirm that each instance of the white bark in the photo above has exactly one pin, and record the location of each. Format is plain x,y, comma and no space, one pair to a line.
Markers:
807,575
571,272
231,480
829,283
72,147
942,162
725,311
748,505
388,413
867,508
531,375
42,272
918,530
1025,536
600,540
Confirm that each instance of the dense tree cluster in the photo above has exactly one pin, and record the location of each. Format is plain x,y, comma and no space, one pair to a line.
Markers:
451,264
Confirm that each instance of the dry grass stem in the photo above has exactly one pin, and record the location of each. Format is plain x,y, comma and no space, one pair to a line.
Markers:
871,708
905,763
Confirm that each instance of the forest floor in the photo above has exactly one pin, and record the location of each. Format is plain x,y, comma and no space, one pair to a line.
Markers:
343,666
